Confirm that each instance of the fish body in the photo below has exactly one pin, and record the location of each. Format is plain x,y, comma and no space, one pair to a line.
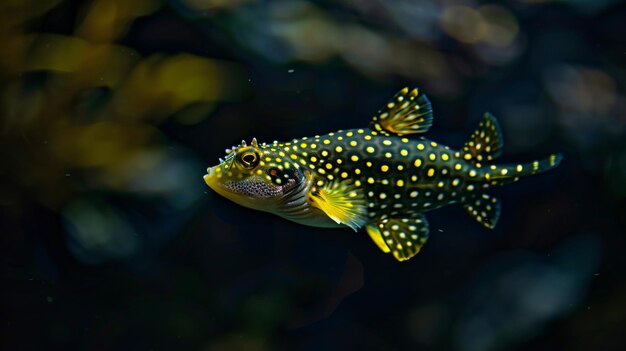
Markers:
382,178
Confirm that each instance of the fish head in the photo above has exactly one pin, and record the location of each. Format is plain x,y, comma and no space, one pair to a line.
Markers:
258,177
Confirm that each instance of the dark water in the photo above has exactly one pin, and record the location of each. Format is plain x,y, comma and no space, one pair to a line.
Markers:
112,110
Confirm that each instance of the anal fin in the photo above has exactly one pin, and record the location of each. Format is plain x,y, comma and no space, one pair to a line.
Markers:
484,209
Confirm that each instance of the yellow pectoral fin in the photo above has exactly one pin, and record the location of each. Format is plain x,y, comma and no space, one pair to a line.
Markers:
377,237
342,202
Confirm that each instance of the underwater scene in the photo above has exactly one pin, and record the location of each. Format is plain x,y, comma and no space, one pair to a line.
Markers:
313,175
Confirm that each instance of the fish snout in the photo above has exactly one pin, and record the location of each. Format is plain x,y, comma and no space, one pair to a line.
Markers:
209,178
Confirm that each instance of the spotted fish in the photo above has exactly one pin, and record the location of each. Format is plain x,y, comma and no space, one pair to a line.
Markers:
382,178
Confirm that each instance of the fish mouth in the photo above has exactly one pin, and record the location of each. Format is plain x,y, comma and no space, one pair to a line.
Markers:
224,188
209,178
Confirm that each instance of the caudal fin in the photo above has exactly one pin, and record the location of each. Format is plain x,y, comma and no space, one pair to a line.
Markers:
503,174
485,209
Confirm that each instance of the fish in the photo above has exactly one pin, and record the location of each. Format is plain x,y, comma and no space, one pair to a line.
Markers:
382,178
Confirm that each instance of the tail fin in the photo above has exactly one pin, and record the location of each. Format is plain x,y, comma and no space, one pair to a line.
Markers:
486,209
485,144
504,174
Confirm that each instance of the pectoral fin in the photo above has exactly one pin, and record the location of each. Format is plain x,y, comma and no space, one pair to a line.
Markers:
342,202
407,112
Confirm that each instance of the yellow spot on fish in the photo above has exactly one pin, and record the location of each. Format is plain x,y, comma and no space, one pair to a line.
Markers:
339,149
420,146
404,152
445,157
467,157
519,168
329,165
431,172
349,134
303,145
368,137
472,173
432,157
417,162
504,172
344,174
370,180
293,156
457,166
388,154
357,171
313,159
370,149
387,142
400,183
326,141
354,158
324,153
384,168
353,143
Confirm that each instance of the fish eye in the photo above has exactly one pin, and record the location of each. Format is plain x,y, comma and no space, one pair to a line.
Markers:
249,159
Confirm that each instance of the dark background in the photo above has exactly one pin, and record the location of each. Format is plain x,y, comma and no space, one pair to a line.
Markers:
110,112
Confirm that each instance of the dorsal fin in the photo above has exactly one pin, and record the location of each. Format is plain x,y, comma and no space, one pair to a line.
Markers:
342,202
484,209
407,112
485,143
